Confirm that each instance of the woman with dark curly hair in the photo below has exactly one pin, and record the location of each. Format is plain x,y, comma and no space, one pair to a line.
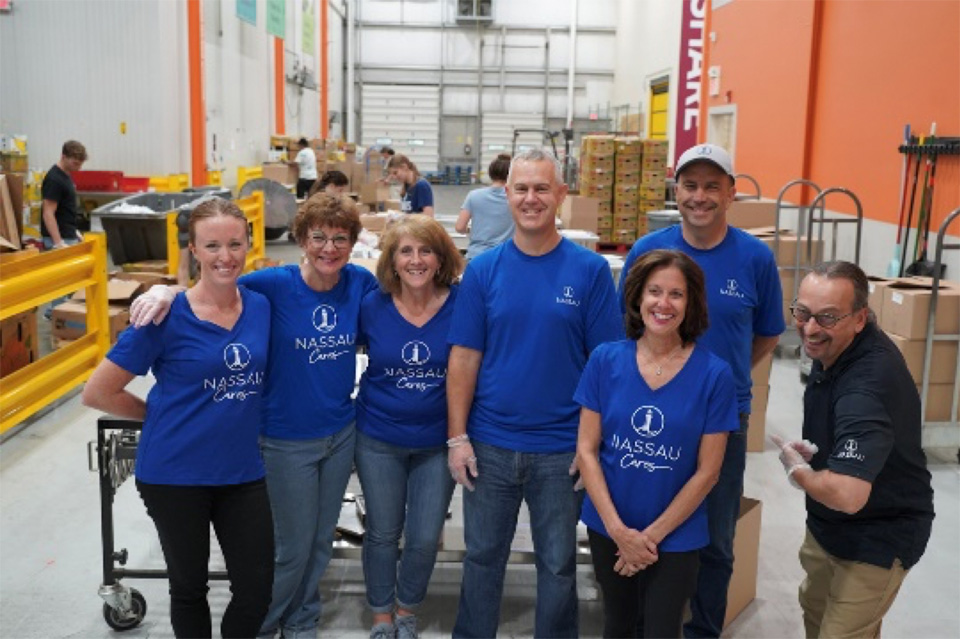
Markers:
402,418
656,410
307,437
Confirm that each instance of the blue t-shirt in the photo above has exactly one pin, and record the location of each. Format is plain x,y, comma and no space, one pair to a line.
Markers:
491,222
650,439
417,197
403,392
744,298
204,412
535,319
313,363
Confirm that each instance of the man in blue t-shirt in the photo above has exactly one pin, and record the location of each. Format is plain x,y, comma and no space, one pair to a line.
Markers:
528,314
745,304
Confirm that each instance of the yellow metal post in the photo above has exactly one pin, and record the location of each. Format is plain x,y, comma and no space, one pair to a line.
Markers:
252,207
173,245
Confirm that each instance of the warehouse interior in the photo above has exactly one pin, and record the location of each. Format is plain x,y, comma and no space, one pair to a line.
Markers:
171,97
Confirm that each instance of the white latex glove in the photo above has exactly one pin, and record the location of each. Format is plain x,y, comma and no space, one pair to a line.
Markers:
152,306
462,464
791,458
573,471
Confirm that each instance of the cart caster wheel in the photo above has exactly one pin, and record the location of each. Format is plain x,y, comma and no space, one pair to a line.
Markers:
120,622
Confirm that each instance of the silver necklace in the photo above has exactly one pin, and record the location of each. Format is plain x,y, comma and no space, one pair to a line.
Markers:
659,365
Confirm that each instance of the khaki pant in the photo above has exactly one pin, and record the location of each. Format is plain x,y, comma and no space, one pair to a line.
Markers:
843,598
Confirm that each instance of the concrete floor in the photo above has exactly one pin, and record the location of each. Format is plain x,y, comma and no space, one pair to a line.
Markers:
50,554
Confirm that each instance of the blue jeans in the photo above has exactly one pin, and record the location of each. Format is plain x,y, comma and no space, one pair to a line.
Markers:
490,515
408,491
47,246
708,606
306,480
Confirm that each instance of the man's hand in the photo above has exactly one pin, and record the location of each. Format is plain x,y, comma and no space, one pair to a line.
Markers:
575,472
462,464
791,457
152,306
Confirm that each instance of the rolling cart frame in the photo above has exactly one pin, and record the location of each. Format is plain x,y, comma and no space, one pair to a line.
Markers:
945,433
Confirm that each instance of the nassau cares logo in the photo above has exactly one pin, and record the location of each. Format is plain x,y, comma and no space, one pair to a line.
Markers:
415,353
324,318
647,421
236,356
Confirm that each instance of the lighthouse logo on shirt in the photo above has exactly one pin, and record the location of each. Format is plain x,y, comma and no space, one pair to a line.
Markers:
850,451
644,453
324,318
415,353
236,356
568,297
732,289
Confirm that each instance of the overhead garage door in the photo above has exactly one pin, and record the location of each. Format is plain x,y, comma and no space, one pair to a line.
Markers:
496,135
405,117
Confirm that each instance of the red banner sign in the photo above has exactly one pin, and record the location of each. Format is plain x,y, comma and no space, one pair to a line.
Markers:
688,77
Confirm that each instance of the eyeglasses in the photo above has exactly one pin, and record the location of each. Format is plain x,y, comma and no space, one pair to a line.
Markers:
826,320
339,241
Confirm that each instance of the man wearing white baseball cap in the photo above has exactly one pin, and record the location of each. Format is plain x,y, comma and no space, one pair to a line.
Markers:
744,302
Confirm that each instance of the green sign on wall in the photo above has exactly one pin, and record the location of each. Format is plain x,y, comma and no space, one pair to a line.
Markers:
277,18
247,11
309,27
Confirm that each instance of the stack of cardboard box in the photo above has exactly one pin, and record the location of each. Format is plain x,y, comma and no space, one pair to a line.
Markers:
785,246
626,189
653,179
69,320
760,377
596,179
902,306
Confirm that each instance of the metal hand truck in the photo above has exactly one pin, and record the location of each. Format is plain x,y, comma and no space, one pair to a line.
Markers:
116,453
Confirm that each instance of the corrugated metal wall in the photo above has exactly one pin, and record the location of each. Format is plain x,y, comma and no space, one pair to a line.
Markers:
404,117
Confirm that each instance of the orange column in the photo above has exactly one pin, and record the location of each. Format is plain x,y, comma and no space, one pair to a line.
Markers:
198,124
278,84
324,78
811,112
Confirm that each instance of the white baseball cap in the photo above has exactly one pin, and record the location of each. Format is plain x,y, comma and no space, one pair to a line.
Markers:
706,153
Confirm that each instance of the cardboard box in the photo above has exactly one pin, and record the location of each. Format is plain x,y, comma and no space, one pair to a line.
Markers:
604,222
624,223
603,192
626,208
628,177
374,193
645,206
624,236
906,308
147,266
628,145
393,205
656,148
653,163
70,321
597,163
375,222
785,245
15,184
654,178
746,552
626,198
605,235
652,193
604,207
628,163
875,302
943,358
120,292
752,214
18,342
367,263
939,403
756,432
597,145
147,279
596,177
580,212
282,173
760,374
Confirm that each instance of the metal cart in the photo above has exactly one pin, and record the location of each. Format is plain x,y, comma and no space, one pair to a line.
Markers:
820,221
941,433
790,342
752,180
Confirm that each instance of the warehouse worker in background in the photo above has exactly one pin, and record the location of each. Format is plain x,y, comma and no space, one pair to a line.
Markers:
869,498
528,314
416,194
745,305
306,162
59,218
485,214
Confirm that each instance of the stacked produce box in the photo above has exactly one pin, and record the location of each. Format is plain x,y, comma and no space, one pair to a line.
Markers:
653,177
597,177
626,190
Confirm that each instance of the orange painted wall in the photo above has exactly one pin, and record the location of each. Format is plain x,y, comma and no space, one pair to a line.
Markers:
763,51
883,63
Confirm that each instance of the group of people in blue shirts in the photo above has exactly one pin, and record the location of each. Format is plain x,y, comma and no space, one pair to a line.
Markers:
514,383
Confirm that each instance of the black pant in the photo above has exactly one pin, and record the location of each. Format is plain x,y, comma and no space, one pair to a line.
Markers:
656,596
241,518
303,187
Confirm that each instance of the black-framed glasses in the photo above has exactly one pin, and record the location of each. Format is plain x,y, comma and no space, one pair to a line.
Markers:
826,320
339,241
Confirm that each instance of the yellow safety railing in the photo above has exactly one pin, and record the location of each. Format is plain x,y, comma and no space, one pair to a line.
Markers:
169,183
215,178
31,279
245,173
252,207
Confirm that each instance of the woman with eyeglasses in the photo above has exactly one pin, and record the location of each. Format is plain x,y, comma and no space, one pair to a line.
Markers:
402,419
656,412
307,438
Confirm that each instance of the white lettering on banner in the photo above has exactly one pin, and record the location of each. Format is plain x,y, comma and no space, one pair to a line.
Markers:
690,74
